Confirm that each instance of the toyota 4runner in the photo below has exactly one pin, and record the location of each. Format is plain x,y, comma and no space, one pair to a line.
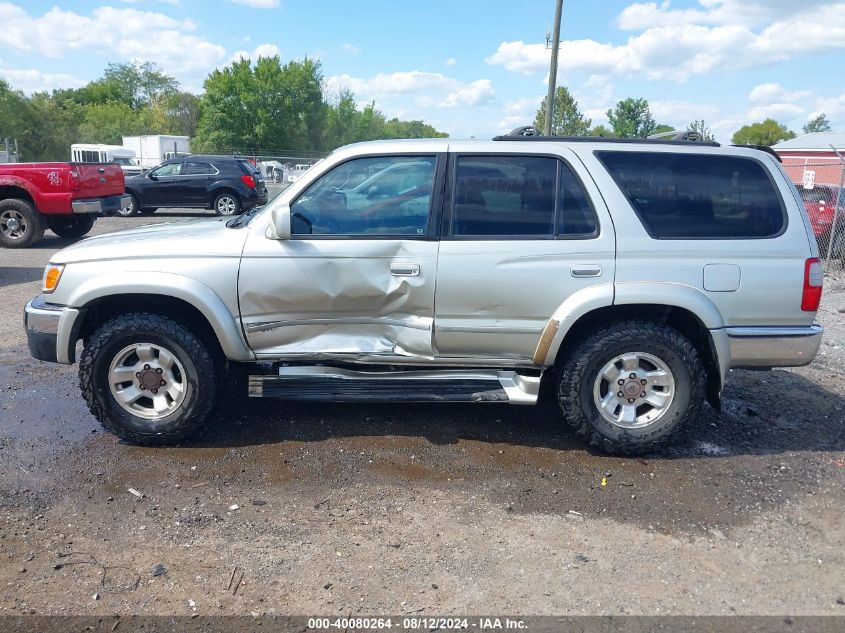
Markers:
630,275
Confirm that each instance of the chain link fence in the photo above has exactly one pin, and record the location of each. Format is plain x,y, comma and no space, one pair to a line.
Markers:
282,167
821,183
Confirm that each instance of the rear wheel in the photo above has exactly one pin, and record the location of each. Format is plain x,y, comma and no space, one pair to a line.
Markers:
71,226
20,224
131,209
632,387
227,204
148,379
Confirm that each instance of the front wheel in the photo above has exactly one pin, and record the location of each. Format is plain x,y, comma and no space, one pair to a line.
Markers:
71,226
631,387
148,379
227,204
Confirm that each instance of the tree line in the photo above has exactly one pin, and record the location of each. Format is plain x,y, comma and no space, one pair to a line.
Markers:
246,106
632,118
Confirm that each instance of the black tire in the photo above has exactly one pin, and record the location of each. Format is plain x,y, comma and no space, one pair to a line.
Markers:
20,224
71,226
147,211
580,376
132,209
227,204
202,369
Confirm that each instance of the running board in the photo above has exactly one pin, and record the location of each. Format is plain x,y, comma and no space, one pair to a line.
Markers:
332,384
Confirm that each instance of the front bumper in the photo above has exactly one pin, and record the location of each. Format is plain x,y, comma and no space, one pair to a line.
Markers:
758,347
101,206
50,331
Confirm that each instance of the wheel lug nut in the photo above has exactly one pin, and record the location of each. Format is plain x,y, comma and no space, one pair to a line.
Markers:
642,395
158,370
162,383
620,382
633,375
643,381
630,401
142,387
137,374
146,366
620,394
154,390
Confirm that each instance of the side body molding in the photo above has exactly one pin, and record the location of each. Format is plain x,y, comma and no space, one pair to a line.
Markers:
190,290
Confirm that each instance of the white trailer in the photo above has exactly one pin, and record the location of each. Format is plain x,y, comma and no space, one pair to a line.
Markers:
99,153
153,149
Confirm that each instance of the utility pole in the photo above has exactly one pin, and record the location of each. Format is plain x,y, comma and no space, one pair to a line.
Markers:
550,98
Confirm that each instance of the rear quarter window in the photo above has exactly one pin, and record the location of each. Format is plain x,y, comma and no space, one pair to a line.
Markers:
698,196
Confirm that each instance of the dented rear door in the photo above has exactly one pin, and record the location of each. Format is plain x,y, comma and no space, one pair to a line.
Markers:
356,284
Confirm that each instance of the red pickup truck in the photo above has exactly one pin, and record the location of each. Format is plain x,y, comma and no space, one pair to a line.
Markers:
62,197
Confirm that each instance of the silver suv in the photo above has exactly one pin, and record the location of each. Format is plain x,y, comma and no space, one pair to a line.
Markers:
630,275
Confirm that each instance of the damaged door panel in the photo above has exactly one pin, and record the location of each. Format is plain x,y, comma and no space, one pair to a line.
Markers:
332,299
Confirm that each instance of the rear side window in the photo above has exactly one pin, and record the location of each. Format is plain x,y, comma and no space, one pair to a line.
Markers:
196,169
519,196
698,196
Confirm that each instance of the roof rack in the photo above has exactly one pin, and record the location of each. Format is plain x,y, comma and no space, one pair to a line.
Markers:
762,148
530,133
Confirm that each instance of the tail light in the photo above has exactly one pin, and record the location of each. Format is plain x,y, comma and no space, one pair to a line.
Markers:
74,180
249,181
813,278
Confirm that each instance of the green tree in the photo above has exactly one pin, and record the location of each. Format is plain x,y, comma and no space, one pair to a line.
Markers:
662,128
567,119
767,132
601,130
140,83
108,123
394,128
631,118
817,124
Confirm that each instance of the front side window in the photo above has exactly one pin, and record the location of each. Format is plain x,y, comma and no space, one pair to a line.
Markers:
697,196
171,169
385,195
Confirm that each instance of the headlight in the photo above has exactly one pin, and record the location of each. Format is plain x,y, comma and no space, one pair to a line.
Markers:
52,274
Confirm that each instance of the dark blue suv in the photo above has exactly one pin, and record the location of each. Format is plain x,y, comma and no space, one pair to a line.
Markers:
228,185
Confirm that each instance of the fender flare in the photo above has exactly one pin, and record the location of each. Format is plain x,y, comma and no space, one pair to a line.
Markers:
210,305
625,293
20,183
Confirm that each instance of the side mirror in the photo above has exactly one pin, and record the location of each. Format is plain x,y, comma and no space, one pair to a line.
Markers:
152,176
279,226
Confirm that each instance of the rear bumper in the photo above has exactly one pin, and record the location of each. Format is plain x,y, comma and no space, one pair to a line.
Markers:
109,204
756,347
50,331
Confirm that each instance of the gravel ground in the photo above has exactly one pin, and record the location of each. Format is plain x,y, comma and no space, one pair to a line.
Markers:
435,509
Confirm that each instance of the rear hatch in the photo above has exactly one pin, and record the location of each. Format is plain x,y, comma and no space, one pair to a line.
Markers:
253,171
96,180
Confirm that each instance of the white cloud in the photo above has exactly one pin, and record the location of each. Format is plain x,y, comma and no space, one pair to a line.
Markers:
31,80
350,48
520,112
681,113
477,92
123,33
775,111
259,4
451,61
773,92
707,42
262,50
426,89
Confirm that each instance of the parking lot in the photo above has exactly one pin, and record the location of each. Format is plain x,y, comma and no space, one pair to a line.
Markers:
424,509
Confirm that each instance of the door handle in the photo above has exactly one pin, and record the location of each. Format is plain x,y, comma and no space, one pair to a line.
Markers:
404,269
585,270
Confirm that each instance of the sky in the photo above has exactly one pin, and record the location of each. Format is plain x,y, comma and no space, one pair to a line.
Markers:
468,67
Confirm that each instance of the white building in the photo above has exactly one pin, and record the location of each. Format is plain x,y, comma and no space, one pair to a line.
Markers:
153,149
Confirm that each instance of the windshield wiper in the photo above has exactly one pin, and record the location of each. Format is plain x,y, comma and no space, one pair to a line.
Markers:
243,218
